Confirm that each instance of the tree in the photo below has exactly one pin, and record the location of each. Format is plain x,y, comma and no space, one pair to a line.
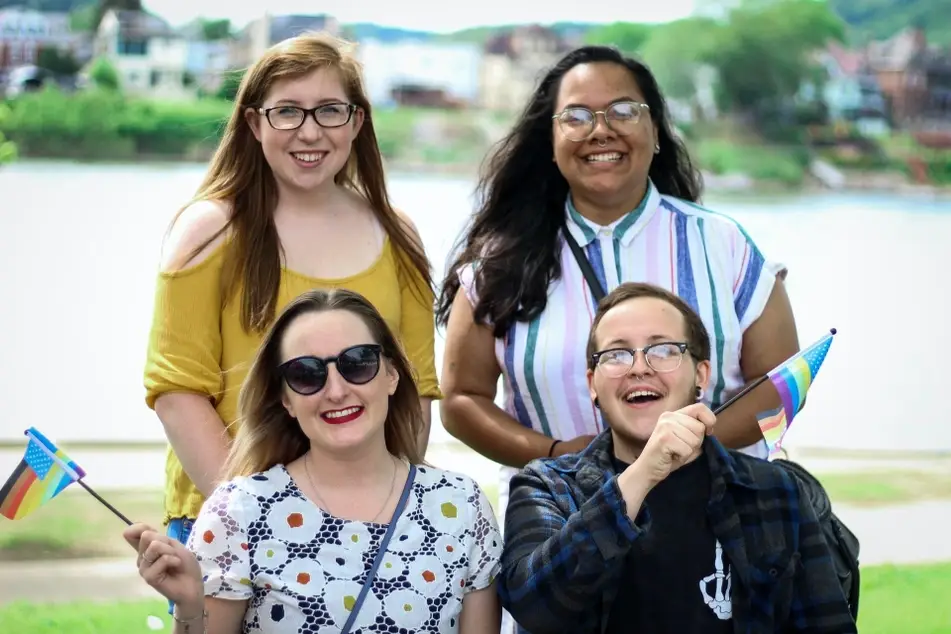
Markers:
82,19
57,62
629,37
103,74
214,30
676,51
229,85
8,151
762,55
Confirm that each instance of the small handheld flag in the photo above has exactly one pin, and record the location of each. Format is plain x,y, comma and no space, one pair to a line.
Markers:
791,380
42,474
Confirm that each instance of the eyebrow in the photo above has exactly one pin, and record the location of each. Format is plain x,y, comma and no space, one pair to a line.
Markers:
652,339
618,100
322,102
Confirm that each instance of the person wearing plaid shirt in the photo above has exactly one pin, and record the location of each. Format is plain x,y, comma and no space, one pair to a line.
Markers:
655,527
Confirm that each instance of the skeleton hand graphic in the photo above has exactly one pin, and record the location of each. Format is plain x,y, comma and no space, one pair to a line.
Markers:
720,584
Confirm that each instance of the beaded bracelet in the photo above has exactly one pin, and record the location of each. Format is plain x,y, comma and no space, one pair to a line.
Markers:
187,622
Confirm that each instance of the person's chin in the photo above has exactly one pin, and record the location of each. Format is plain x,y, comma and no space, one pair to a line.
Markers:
634,426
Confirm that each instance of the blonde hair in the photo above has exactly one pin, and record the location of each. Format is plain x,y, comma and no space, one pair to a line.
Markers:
267,434
240,176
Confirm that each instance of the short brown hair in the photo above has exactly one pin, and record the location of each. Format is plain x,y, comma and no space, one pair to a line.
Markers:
698,341
267,434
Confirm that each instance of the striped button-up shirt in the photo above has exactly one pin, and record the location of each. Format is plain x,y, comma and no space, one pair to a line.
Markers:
704,257
567,534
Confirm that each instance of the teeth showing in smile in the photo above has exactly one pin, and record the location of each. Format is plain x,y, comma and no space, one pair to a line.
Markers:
343,412
309,157
640,396
606,157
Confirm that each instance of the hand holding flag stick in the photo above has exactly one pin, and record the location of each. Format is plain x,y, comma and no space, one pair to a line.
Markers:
791,379
42,474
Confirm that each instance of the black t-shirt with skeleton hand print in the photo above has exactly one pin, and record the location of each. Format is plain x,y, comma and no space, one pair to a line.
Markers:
677,579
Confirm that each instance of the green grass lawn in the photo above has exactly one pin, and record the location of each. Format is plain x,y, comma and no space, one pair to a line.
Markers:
894,600
75,525
887,487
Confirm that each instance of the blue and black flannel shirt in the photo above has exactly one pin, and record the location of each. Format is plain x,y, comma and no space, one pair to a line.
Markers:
567,534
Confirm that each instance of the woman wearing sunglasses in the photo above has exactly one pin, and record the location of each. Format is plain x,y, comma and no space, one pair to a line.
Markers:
294,199
329,521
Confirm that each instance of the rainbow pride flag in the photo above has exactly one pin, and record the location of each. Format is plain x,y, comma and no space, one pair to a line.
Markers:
44,471
792,380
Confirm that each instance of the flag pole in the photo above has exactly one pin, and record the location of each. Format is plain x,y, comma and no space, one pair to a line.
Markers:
746,390
104,503
749,388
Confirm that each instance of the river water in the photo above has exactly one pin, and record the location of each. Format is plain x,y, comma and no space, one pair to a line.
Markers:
79,251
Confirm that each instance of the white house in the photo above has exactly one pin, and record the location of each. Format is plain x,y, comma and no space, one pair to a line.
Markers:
447,72
151,59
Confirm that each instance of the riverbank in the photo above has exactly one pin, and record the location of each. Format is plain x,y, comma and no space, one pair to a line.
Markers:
105,126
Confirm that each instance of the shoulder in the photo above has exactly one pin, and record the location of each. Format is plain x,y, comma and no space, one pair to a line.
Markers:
244,491
408,227
198,226
548,474
771,478
713,220
434,478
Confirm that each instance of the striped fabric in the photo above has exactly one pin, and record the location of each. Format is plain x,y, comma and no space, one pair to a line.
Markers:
704,257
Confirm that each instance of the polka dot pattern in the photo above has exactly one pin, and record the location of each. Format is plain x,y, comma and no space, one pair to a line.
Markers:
258,538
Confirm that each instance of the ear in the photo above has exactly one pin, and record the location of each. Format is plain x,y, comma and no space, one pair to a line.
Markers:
702,375
286,402
253,117
591,391
358,117
392,378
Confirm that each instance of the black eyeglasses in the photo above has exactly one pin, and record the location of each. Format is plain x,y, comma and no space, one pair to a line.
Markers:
328,115
661,357
577,124
308,375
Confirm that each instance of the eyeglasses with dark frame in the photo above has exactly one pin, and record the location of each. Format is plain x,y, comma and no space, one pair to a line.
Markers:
662,357
327,115
578,123
308,374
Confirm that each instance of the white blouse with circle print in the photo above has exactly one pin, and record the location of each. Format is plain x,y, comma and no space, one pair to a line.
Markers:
259,539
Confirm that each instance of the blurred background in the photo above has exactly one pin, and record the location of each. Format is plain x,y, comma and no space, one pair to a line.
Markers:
824,127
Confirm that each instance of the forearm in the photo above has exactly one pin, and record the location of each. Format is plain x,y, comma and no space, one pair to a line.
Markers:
426,406
737,426
197,435
485,427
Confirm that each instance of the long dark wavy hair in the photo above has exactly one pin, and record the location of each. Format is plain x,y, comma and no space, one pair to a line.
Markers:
514,236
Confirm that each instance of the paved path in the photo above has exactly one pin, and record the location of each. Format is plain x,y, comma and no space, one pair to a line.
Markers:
912,533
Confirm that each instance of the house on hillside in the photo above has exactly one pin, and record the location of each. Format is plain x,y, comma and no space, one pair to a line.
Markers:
415,73
149,56
264,32
514,61
914,77
851,91
25,32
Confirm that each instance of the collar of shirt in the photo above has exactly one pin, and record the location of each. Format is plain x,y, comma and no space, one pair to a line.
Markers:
624,229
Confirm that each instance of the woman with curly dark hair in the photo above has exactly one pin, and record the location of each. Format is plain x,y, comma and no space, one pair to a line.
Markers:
594,159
